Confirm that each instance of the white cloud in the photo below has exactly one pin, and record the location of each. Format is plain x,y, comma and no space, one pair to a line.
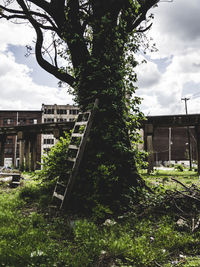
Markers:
148,75
16,34
18,90
176,27
176,32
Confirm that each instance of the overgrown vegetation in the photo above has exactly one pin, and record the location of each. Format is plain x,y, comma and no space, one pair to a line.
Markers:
152,232
54,163
93,49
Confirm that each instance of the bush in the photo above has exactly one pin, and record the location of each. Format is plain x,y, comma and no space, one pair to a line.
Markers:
179,167
55,162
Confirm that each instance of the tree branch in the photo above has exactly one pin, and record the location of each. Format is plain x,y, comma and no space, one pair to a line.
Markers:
65,77
74,35
134,21
18,14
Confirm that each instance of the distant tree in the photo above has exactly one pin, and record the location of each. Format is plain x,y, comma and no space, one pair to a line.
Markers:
91,45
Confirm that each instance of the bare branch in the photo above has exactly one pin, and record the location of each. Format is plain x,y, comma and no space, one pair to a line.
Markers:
55,53
18,14
145,29
38,49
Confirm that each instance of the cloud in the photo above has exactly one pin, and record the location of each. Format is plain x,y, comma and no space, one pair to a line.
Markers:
16,34
176,27
18,91
21,86
148,75
175,68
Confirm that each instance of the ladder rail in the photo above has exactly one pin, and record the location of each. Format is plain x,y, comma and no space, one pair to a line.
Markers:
80,151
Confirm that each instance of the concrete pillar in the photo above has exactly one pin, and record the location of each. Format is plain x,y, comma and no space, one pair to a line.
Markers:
20,138
2,152
15,153
27,154
197,130
21,154
149,145
33,152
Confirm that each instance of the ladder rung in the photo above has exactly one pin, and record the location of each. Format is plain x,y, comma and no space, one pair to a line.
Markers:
61,184
81,123
73,147
83,113
71,159
77,135
59,196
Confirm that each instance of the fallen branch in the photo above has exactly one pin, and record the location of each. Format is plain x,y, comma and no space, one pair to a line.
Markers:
173,179
192,197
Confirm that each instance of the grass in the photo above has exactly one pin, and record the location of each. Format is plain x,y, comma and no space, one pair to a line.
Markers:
164,177
33,235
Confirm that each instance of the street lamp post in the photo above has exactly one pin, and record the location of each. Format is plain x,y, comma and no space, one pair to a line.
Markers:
188,134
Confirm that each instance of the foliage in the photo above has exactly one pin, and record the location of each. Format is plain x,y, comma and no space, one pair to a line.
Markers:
134,123
55,161
31,236
179,167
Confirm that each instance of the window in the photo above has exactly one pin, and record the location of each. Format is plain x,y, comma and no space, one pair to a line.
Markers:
49,111
61,111
9,141
46,150
49,120
22,121
60,120
49,141
33,121
8,121
8,150
73,111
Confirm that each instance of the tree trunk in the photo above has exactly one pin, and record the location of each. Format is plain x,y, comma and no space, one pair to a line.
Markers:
108,167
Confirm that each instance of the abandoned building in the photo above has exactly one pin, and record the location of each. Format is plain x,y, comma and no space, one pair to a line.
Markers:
37,142
55,113
18,118
172,138
25,135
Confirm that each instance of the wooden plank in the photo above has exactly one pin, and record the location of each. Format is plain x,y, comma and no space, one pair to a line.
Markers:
59,196
73,147
61,184
71,159
9,173
80,123
77,135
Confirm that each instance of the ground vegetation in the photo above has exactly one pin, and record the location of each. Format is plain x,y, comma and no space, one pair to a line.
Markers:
162,229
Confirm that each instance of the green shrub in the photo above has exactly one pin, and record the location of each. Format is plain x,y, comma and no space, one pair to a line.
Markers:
55,162
179,167
29,193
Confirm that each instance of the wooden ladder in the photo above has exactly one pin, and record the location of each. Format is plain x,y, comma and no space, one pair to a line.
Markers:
75,152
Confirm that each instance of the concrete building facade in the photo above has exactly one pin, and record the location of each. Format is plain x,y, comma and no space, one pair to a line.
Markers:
52,114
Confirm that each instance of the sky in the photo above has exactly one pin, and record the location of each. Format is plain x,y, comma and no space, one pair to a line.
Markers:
170,74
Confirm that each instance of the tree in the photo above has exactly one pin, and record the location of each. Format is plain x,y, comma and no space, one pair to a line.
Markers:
97,37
